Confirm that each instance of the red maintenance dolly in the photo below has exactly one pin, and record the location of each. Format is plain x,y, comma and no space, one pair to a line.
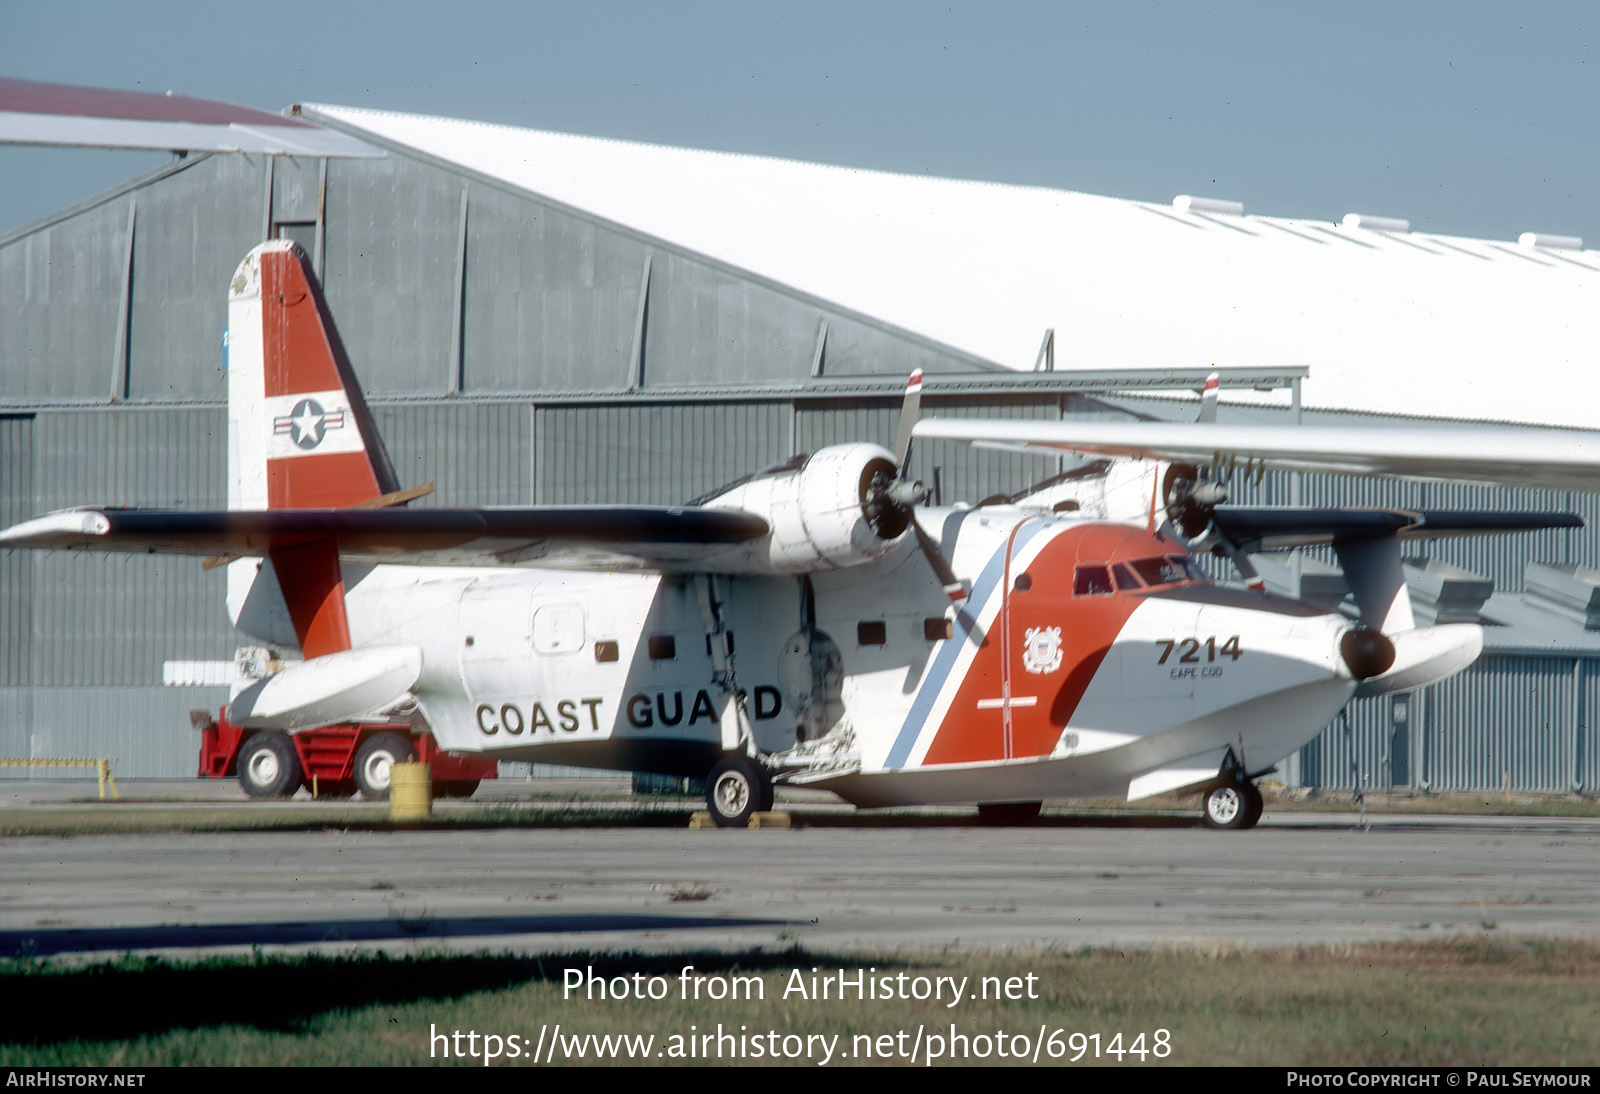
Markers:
335,761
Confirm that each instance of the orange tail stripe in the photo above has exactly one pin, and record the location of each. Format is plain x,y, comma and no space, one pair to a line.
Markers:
313,587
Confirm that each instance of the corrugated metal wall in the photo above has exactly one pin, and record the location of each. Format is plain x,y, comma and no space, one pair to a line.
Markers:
1506,722
1504,718
189,231
551,300
61,292
112,619
16,584
1353,751
146,731
475,453
389,273
652,455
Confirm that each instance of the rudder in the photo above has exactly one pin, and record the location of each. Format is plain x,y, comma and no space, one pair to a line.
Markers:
300,435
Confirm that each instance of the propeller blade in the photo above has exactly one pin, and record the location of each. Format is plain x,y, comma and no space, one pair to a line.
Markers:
953,588
909,411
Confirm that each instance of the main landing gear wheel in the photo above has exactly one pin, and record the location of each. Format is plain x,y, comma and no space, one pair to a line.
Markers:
1002,813
269,766
736,789
1235,806
374,758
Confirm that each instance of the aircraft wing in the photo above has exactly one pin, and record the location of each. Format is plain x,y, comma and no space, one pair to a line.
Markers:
598,537
1272,528
1546,458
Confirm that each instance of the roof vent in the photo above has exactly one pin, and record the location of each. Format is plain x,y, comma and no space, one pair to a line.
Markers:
1565,592
1375,224
1315,581
1549,242
1187,203
1442,593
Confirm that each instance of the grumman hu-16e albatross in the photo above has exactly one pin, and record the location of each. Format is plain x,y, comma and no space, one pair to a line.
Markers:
1060,644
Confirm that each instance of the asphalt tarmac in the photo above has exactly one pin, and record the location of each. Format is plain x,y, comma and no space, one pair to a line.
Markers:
837,883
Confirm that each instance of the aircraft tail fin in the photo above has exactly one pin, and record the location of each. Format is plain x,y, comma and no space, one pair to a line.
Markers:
300,435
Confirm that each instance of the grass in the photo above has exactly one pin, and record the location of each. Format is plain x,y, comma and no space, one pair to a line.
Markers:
1455,1002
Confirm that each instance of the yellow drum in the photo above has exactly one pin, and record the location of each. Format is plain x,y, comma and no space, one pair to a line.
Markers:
409,792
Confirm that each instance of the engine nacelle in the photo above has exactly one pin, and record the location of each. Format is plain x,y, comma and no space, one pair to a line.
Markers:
821,511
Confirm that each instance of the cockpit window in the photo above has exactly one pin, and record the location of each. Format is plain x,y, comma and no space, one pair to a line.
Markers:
1125,578
1165,571
1091,581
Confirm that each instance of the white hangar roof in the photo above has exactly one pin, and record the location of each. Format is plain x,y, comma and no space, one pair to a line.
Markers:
1389,320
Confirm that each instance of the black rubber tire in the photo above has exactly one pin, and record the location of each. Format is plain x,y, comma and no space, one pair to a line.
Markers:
1009,813
737,789
1231,806
1257,806
377,754
463,788
268,765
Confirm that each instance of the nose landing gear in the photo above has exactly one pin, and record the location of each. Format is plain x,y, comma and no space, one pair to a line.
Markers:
1231,805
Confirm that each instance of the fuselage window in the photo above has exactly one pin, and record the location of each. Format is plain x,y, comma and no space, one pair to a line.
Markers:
663,647
873,633
1091,581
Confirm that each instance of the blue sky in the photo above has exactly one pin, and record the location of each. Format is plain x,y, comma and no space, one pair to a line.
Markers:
1466,120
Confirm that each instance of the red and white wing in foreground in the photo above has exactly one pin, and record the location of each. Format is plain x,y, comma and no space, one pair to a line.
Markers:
91,117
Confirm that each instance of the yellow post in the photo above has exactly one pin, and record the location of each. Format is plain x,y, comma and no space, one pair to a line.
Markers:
409,786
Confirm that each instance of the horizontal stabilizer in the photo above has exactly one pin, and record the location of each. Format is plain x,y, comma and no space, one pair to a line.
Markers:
327,690
567,536
1269,528
1562,459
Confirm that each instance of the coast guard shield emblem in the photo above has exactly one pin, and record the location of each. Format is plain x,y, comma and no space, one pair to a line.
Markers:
1041,651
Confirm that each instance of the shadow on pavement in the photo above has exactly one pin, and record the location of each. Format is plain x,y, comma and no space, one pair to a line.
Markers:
139,997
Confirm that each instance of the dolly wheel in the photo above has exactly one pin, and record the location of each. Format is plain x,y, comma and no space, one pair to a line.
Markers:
374,759
268,765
